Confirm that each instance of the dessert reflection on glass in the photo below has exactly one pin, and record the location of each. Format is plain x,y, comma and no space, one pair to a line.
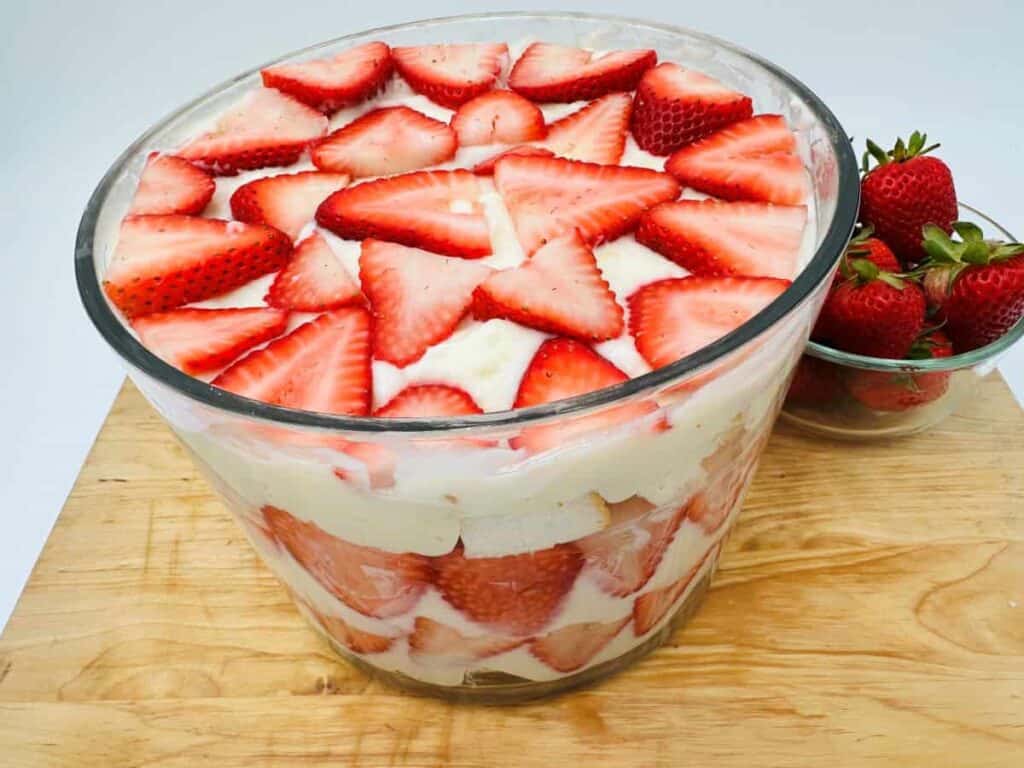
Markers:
436,242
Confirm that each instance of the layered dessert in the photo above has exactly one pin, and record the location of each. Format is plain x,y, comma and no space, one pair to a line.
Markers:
447,232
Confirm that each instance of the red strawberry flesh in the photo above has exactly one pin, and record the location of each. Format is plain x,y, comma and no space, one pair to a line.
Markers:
516,594
435,210
314,280
265,128
498,117
386,141
676,106
162,262
347,78
170,184
549,197
451,75
203,340
287,202
560,290
547,72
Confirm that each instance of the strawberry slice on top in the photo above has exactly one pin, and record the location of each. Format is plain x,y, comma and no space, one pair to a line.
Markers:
386,141
203,340
436,210
417,297
548,72
498,117
713,237
486,167
287,202
429,400
560,290
265,128
564,368
515,594
170,184
314,280
672,318
548,197
676,106
162,262
594,134
753,159
328,84
323,365
451,75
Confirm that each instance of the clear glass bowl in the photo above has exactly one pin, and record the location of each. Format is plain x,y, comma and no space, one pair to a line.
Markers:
863,398
434,552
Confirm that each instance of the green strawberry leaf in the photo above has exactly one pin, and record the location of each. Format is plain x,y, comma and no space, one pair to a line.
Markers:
968,231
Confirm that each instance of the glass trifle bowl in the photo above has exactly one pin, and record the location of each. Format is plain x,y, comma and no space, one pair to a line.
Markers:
514,553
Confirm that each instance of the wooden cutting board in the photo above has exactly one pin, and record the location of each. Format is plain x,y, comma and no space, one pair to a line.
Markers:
869,611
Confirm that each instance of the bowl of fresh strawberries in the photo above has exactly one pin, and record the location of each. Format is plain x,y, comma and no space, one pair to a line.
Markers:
927,298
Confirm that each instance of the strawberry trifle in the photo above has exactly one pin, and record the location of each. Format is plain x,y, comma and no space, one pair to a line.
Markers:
469,335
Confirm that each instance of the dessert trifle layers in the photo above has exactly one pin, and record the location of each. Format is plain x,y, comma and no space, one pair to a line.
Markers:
438,241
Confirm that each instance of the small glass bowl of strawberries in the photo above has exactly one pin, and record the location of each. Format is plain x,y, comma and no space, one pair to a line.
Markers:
926,299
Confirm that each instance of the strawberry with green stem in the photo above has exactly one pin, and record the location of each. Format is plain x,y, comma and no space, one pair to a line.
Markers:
976,286
906,190
872,312
902,390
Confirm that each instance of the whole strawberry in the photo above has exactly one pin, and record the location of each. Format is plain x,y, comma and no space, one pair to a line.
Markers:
882,391
873,312
815,383
975,285
905,191
863,245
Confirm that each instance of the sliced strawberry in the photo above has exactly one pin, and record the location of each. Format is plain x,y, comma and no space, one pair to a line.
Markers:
673,318
436,210
676,106
378,464
265,128
712,237
594,134
560,290
323,365
451,75
368,580
622,558
727,471
498,117
287,201
753,159
326,85
515,594
162,262
429,400
650,608
572,647
550,72
441,642
170,184
386,141
314,280
355,639
486,167
417,297
564,368
548,197
203,340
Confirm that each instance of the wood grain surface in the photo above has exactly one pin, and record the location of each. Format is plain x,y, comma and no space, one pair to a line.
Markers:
869,611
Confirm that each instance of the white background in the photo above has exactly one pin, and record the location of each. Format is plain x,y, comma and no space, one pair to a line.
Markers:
80,80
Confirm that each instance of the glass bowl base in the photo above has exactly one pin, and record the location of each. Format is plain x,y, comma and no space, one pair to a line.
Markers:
483,687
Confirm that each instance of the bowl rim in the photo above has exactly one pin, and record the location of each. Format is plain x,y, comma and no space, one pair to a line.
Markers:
817,270
952,363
